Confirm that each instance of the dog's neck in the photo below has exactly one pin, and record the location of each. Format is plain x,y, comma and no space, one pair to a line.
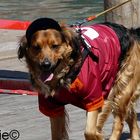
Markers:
75,57
81,50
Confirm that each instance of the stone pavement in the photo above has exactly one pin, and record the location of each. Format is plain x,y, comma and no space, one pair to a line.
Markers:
19,112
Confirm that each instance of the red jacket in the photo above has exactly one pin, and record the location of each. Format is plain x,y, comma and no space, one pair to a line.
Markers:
95,80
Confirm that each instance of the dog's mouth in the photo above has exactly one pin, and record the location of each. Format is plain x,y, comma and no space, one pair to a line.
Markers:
47,75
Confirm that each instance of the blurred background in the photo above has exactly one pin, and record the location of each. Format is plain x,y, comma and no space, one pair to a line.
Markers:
68,10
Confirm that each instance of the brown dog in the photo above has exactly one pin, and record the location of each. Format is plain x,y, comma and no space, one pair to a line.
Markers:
66,67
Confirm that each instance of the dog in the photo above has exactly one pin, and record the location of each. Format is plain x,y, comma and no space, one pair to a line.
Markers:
93,67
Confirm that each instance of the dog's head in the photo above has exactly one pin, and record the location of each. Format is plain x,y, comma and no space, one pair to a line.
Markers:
47,48
45,44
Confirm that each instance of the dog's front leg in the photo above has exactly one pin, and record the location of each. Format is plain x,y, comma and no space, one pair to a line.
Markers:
59,127
91,131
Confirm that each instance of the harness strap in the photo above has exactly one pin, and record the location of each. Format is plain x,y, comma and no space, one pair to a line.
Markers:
87,50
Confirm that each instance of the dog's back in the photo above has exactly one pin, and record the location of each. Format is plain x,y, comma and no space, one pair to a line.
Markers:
106,46
126,37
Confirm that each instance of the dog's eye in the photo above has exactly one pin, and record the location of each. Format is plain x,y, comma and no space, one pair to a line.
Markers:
55,46
37,48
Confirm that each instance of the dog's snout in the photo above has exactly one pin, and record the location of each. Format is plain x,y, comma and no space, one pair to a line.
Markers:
46,64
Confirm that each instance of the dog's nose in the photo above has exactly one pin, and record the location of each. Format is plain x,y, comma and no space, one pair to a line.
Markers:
46,64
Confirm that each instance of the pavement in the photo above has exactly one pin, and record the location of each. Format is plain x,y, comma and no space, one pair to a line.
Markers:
20,112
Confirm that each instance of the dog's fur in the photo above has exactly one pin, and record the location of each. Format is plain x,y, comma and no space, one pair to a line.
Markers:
62,49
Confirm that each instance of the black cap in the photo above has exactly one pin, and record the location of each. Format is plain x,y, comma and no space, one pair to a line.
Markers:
41,24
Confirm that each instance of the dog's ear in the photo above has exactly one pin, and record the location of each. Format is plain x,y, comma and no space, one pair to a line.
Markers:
66,33
23,46
72,39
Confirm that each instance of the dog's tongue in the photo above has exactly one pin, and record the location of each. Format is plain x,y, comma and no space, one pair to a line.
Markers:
46,78
49,78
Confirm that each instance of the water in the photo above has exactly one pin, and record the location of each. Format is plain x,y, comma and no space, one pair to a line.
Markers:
69,11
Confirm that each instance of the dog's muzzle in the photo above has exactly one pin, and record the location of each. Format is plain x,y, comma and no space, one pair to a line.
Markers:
48,70
46,65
